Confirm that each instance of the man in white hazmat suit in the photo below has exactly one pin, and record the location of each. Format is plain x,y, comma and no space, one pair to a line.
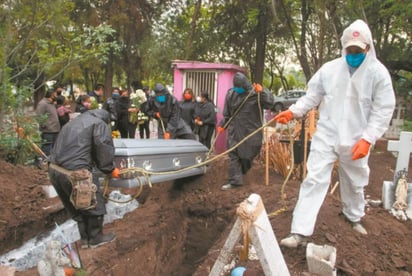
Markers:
356,101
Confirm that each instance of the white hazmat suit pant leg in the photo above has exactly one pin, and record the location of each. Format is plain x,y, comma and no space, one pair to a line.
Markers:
313,191
353,177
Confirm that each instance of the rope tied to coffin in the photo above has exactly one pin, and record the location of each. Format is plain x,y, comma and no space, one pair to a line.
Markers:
247,217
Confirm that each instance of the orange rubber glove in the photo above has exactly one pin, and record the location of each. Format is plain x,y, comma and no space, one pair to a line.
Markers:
360,149
284,117
115,173
157,115
258,88
167,135
220,129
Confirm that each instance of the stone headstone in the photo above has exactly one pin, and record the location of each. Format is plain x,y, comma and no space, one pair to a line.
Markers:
394,129
403,147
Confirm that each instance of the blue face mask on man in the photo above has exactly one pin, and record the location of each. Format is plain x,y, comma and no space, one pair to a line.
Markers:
161,98
239,90
355,60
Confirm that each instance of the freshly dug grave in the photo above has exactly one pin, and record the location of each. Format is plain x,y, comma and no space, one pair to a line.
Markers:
181,227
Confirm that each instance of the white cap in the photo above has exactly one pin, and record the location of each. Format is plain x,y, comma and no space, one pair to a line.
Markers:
355,35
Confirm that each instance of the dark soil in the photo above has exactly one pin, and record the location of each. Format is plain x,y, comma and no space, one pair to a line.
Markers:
182,226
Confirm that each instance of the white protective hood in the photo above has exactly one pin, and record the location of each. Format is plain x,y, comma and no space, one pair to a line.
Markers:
357,31
351,107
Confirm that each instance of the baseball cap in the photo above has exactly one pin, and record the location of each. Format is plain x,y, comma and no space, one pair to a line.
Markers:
355,35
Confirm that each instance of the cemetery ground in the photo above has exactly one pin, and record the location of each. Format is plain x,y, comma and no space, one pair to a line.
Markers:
182,226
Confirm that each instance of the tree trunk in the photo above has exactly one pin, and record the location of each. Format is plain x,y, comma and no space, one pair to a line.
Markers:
189,44
303,57
108,78
39,90
261,40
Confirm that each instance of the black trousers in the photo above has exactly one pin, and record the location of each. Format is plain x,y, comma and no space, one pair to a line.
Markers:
144,129
48,140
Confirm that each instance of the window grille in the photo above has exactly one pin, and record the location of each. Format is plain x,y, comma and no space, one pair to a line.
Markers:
201,81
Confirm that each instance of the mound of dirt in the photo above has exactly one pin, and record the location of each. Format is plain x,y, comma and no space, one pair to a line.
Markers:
182,226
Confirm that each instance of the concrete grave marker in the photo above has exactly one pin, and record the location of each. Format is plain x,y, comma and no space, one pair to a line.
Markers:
261,236
394,129
404,148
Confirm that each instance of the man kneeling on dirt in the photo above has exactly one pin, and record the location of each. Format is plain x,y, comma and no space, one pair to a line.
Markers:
83,144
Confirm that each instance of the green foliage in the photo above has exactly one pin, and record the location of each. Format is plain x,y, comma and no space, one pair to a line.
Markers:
40,42
407,125
16,149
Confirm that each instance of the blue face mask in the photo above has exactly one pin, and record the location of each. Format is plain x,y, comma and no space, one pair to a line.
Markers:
161,98
239,90
355,60
115,95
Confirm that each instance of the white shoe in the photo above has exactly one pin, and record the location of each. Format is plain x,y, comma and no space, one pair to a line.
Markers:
229,187
294,240
358,227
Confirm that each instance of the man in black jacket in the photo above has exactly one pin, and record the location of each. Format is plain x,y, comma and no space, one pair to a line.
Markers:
242,114
110,106
165,108
84,143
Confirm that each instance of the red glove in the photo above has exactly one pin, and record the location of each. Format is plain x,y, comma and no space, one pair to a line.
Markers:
167,135
284,117
258,88
115,173
360,149
220,129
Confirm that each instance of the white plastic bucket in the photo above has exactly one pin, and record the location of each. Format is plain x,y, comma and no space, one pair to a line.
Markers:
321,259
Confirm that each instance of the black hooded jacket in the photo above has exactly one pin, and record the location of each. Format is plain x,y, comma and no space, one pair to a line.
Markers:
85,142
246,118
170,113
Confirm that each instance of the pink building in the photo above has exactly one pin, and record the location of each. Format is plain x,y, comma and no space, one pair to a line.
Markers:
215,78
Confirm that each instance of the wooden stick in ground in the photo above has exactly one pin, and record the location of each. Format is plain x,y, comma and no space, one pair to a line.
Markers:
334,187
305,153
267,155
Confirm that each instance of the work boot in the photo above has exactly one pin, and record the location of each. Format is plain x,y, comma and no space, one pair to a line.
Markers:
95,231
358,227
229,187
84,238
294,240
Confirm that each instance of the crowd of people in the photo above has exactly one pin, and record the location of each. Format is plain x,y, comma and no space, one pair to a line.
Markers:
189,118
132,114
